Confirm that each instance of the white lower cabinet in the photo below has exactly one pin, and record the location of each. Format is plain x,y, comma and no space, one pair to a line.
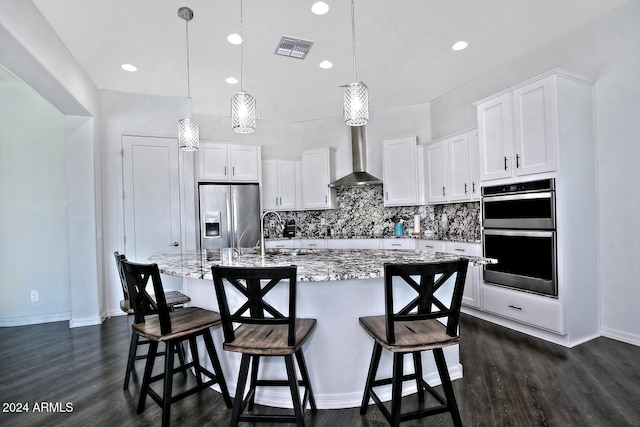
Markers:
431,245
536,310
471,295
353,243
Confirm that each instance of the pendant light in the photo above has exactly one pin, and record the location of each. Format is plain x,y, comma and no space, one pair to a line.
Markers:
356,95
188,130
243,105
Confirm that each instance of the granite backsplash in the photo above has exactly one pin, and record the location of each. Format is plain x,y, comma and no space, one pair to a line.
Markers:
360,211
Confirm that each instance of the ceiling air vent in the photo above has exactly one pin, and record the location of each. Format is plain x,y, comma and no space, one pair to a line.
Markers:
293,47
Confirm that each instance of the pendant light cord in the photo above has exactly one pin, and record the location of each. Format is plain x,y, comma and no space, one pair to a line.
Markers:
241,51
353,39
188,67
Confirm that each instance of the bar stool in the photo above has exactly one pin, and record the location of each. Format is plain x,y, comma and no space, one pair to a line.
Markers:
172,328
263,331
148,306
415,328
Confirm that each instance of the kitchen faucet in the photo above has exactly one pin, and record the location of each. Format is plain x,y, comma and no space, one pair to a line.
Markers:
262,248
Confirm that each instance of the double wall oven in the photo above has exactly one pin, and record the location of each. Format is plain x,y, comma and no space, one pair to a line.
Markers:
519,229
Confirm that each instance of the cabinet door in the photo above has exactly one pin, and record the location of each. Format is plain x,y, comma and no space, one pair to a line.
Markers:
494,135
316,177
474,165
243,163
400,171
213,160
430,245
270,194
471,294
398,244
458,162
533,120
435,158
287,184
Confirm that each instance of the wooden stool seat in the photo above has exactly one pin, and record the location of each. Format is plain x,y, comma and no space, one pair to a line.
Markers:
269,340
420,335
184,322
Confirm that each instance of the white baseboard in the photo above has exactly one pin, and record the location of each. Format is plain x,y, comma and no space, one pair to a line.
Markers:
621,336
87,321
34,319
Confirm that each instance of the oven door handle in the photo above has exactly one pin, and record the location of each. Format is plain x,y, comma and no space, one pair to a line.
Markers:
524,233
519,196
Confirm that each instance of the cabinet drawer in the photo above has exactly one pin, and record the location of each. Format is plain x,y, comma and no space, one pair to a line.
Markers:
313,244
528,308
282,244
398,244
431,245
463,248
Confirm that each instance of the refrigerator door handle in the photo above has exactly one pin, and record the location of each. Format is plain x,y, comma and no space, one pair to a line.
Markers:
234,213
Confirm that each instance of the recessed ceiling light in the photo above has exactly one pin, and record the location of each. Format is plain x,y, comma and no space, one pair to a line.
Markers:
320,8
326,64
129,67
231,80
234,38
460,45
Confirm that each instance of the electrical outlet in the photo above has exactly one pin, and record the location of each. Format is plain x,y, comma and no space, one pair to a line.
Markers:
272,223
34,296
323,222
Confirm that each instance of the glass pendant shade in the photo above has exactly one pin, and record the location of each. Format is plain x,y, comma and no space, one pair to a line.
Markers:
243,113
188,135
356,104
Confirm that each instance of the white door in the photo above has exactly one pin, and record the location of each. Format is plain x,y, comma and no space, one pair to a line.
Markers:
151,198
435,160
458,156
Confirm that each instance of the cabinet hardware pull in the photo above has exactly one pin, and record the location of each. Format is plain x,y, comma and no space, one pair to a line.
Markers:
225,171
517,161
280,246
513,306
281,201
233,171
325,198
386,195
459,250
505,162
313,244
443,190
473,187
276,201
465,188
174,244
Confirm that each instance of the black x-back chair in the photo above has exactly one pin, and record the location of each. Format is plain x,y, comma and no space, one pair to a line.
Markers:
148,307
263,331
427,323
172,328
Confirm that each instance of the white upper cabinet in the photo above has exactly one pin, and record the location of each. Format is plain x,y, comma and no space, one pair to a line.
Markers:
400,171
278,184
226,162
317,173
435,158
516,131
451,169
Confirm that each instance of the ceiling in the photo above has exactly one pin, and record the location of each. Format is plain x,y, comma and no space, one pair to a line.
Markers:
404,49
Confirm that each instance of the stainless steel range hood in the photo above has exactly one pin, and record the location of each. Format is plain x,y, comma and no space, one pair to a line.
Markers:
359,176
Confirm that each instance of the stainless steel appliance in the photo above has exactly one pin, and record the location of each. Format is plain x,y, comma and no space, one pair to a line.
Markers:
519,229
229,215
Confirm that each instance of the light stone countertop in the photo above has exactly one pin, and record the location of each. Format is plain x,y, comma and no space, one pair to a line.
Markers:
314,265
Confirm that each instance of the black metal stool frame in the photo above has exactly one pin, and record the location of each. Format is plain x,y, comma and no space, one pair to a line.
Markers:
418,315
248,281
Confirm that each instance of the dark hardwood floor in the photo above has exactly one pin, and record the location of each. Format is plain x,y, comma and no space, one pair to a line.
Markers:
510,379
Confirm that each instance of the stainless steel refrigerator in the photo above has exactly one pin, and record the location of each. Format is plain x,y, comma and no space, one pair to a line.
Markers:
229,215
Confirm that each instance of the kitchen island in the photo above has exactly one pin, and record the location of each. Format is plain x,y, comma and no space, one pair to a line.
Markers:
336,287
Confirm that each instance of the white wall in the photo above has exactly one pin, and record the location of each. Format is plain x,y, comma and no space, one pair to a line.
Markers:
605,50
33,214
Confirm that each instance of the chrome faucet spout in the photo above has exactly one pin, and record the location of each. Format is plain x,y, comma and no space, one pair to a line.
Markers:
262,248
